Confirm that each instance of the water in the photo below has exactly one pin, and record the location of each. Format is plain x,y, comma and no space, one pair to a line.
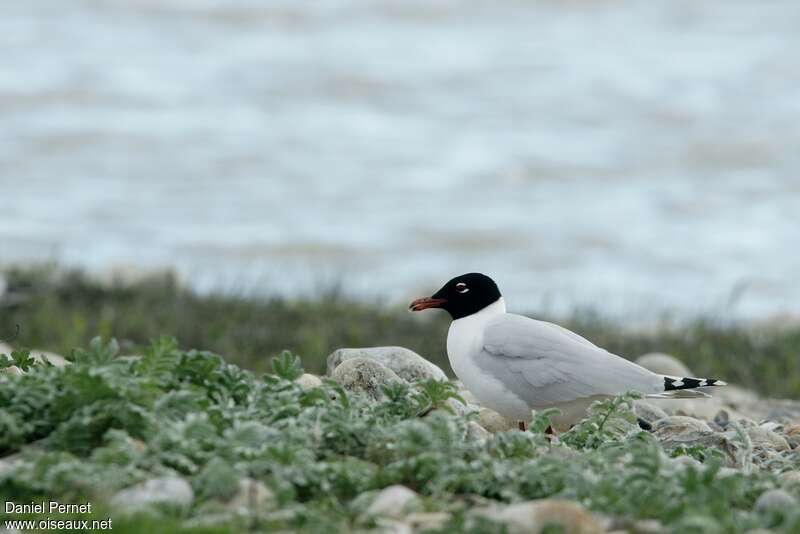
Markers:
635,157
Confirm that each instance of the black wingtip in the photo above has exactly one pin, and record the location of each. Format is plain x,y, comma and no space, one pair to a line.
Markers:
673,383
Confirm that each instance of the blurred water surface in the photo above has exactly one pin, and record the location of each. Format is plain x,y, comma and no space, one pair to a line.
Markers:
631,156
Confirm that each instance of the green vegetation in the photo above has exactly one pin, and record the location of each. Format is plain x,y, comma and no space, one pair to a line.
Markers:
104,423
108,422
58,311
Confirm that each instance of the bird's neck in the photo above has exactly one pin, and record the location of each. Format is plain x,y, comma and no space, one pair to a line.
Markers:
498,306
495,308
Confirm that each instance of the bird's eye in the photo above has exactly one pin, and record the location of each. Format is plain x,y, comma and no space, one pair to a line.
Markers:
461,287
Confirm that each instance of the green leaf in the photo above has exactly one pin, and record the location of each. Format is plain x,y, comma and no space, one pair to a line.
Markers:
541,420
287,366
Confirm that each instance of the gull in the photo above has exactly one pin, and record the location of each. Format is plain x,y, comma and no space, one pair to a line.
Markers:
514,364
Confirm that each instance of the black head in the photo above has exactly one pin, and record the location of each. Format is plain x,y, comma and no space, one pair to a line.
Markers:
461,296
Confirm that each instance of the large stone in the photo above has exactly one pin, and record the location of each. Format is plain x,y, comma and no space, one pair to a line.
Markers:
761,437
392,501
365,376
166,490
648,411
534,516
476,432
459,408
792,433
309,381
43,355
406,363
12,370
493,421
775,500
679,424
679,431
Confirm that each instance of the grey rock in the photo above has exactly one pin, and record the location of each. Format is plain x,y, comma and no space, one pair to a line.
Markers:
715,427
648,411
392,501
406,363
761,437
12,370
775,500
56,359
309,381
476,432
493,421
704,409
459,408
679,424
533,516
792,433
168,490
679,431
772,426
745,422
722,418
663,364
364,375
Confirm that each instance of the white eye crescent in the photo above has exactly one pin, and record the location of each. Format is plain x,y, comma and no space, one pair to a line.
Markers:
461,287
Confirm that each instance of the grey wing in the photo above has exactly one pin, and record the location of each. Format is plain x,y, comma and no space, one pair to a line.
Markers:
545,364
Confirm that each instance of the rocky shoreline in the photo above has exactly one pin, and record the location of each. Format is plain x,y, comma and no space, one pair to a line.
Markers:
746,432
750,432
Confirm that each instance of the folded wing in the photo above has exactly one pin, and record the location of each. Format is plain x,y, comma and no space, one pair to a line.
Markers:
545,364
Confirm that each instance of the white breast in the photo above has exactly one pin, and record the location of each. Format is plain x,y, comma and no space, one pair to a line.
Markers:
464,344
